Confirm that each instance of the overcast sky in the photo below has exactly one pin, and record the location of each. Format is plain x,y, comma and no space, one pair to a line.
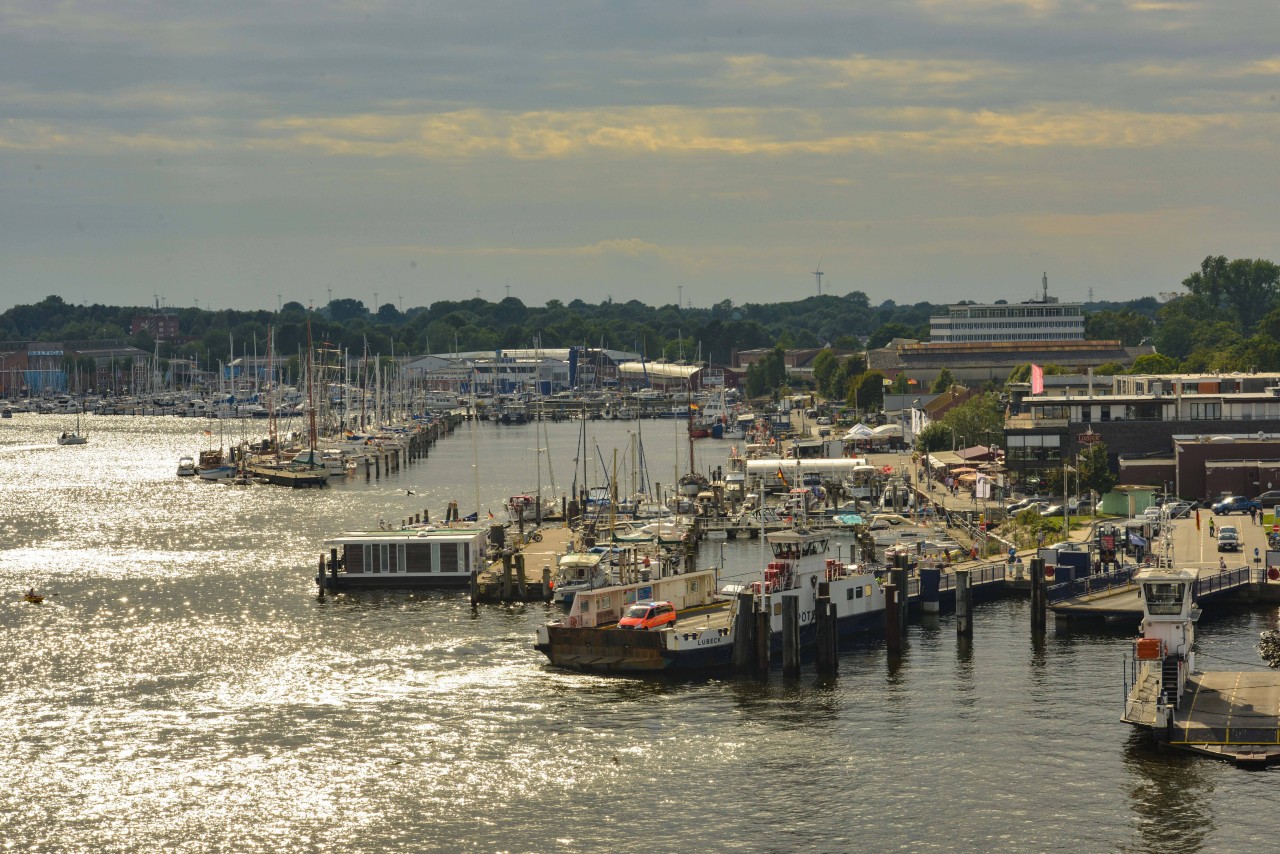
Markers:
238,154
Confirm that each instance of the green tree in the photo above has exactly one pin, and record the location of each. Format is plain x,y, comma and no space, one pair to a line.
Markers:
825,366
943,382
866,391
1154,363
1094,469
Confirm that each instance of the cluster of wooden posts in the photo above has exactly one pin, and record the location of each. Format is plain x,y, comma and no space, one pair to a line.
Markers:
752,637
379,460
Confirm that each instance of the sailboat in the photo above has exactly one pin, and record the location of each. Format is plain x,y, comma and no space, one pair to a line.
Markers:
305,469
74,437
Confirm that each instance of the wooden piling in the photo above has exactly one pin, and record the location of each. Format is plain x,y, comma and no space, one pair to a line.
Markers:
520,582
1039,597
790,636
825,649
744,649
964,604
506,577
930,584
474,586
763,633
892,626
546,582
899,576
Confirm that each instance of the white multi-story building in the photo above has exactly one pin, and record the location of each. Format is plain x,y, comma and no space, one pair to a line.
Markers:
1043,319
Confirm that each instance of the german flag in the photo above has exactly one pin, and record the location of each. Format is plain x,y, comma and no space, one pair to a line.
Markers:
782,477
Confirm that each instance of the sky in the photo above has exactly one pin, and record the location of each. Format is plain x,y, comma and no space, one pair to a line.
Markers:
245,154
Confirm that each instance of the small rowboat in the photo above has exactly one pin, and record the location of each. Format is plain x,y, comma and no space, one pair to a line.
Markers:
33,598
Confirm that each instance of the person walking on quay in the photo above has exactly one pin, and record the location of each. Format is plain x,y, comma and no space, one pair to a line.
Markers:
1211,529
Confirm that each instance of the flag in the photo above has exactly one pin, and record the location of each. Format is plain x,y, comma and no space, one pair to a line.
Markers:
782,477
1197,520
1037,379
490,514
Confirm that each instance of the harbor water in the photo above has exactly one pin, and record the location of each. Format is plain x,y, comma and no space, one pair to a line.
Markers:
182,688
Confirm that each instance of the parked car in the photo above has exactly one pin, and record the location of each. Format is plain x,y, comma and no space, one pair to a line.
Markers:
1228,539
648,615
1235,504
1270,499
1022,504
1178,509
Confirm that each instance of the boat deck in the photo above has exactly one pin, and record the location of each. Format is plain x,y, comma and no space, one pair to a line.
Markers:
1227,715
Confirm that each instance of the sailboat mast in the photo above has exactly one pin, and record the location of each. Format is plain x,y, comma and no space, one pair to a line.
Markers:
311,402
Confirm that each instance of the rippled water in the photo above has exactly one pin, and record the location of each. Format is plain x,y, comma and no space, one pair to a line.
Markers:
182,689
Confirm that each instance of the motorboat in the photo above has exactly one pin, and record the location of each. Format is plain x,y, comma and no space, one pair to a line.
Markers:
186,467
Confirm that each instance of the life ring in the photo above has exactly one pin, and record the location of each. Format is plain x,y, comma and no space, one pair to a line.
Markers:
1048,572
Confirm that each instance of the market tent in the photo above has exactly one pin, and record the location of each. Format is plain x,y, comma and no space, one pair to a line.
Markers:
859,431
888,430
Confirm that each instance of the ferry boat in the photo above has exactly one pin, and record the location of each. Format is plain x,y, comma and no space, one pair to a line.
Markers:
414,557
1226,715
702,639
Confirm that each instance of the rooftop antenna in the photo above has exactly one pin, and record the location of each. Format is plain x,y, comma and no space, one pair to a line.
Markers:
330,294
679,296
1044,283
508,287
157,299
817,274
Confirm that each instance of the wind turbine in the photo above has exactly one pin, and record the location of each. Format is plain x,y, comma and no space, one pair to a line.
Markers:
817,274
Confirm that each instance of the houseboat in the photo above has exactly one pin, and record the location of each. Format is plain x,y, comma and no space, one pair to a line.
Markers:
415,557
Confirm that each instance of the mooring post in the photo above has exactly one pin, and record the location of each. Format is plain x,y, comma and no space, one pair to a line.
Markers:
899,576
320,577
474,585
825,649
964,604
1039,597
763,639
930,585
546,582
744,633
506,577
892,628
520,585
790,636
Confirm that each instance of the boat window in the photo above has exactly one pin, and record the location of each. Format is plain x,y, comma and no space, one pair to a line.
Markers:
858,589
366,554
400,563
1164,598
448,557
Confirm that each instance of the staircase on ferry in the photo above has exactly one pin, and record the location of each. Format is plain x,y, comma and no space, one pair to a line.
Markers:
1169,680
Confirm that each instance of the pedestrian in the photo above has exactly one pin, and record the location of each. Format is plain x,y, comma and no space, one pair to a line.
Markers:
1222,564
1211,529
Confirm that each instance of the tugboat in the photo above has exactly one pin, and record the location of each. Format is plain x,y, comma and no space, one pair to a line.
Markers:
1225,715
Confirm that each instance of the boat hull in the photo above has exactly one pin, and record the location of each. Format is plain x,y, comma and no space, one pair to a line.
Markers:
391,581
